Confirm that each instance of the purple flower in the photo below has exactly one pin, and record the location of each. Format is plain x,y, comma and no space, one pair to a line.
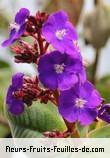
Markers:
57,70
60,33
18,27
104,113
15,106
80,103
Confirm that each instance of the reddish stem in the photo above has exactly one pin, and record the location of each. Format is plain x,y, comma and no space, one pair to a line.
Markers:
72,129
40,41
56,95
46,47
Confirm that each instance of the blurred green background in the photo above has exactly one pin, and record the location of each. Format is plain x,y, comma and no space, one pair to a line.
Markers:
92,20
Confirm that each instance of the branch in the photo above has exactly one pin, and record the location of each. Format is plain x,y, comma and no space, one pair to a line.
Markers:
95,65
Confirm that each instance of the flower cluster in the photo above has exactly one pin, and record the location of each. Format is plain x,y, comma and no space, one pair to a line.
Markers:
61,73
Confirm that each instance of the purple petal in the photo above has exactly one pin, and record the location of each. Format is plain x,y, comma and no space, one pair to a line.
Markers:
69,47
94,100
10,40
58,58
17,107
48,31
70,114
87,116
71,31
17,80
104,113
74,65
82,75
46,62
66,106
65,46
14,105
9,97
49,80
7,43
21,16
20,31
66,81
58,19
92,95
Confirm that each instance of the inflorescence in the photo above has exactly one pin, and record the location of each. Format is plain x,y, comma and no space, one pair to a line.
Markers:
61,73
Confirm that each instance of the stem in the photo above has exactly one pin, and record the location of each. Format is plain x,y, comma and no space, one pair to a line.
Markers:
40,41
96,2
56,95
53,101
72,129
95,65
46,46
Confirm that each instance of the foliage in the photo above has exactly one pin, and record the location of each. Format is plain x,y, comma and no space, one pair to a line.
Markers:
36,120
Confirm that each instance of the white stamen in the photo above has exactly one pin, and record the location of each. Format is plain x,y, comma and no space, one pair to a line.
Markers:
15,26
80,102
59,68
60,34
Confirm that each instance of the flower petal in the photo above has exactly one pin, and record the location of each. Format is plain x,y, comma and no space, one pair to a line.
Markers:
87,116
74,64
66,106
21,31
17,107
49,80
58,18
46,63
58,22
67,81
92,95
48,31
10,40
17,80
104,113
82,75
14,105
9,97
21,16
71,31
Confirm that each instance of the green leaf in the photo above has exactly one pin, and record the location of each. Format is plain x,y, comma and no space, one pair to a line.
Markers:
103,132
35,120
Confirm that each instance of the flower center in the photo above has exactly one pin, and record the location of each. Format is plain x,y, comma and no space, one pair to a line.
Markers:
59,68
15,26
60,34
80,102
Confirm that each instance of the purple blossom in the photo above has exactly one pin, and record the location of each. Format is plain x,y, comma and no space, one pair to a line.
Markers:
15,106
18,27
80,103
57,70
60,33
104,113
